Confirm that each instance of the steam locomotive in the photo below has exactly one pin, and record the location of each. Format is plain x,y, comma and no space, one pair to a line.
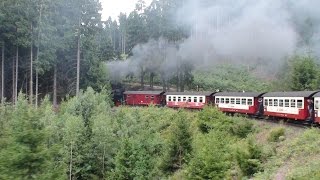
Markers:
301,106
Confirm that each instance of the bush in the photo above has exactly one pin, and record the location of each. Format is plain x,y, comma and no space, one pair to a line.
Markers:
275,134
249,157
211,156
241,127
213,119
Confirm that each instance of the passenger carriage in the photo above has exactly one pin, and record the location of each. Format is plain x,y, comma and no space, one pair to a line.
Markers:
238,102
288,105
317,107
143,98
192,100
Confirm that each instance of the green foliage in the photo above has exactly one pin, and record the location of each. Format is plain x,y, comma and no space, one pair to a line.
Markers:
178,144
211,158
213,119
24,154
242,127
300,73
87,139
229,78
275,134
249,157
304,73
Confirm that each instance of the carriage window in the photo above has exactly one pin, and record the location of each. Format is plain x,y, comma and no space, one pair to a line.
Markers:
293,103
195,99
222,100
299,103
169,98
179,98
265,102
275,102
147,97
201,99
286,103
217,100
189,99
227,100
152,97
232,101
316,104
174,98
184,99
244,101
280,102
270,102
237,100
250,102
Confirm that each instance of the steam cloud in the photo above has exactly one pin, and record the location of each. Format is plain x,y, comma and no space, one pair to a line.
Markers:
237,31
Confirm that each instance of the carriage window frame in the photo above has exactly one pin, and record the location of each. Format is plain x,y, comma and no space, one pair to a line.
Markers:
147,97
217,100
222,100
281,103
152,97
189,99
184,98
275,102
227,100
243,101
270,102
286,103
169,98
316,104
174,98
201,99
299,103
293,103
232,100
195,99
249,102
238,101
179,98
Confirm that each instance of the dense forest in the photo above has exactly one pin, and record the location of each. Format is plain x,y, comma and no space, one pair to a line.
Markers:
60,61
60,47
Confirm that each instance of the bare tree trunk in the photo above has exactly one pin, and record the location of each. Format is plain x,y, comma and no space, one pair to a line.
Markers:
124,42
13,81
142,79
78,63
16,76
37,58
178,81
151,80
55,86
37,78
31,69
2,74
70,164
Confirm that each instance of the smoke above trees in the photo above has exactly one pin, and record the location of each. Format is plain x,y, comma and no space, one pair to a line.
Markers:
258,33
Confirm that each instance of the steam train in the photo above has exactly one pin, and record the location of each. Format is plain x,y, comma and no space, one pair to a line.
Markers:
301,106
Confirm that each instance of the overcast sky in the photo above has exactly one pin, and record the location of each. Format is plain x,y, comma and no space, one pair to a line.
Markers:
114,7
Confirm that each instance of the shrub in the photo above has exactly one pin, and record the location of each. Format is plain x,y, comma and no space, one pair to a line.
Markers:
275,134
241,127
249,157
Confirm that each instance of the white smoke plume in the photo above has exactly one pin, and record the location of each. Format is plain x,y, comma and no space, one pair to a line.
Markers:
254,32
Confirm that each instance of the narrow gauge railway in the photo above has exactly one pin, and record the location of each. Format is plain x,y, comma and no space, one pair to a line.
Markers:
301,107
